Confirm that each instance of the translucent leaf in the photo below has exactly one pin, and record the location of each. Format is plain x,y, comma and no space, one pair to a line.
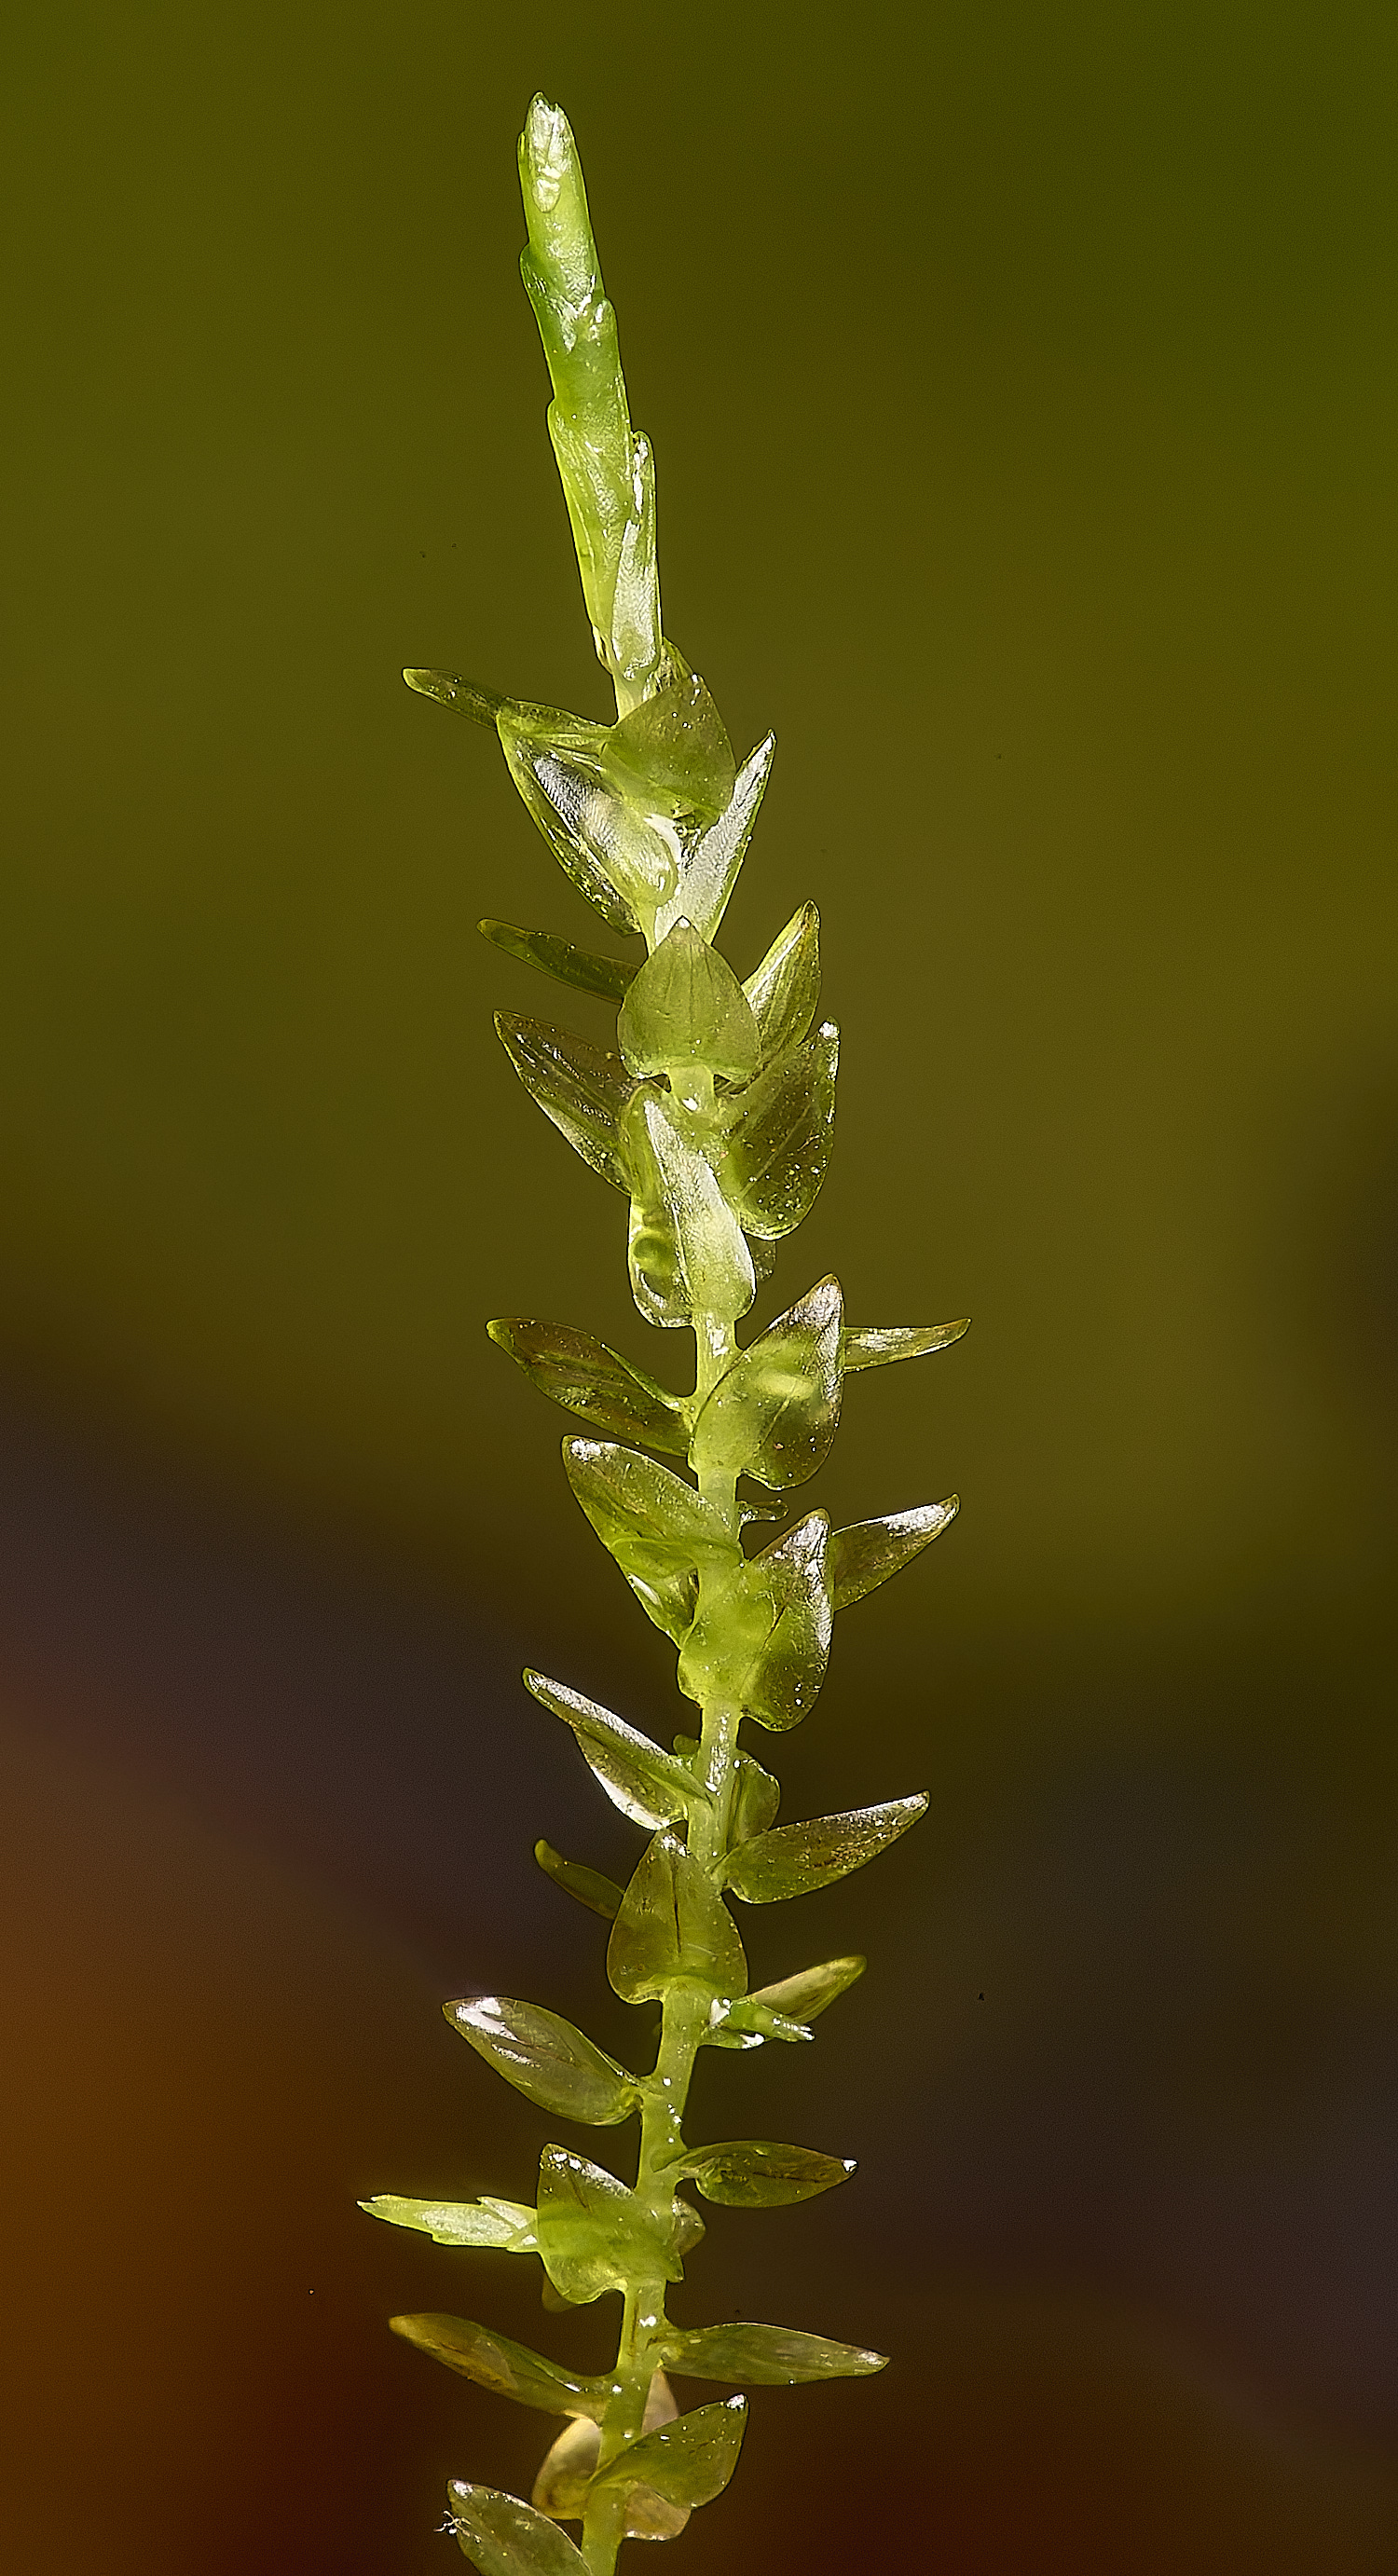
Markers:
623,862
610,504
741,2021
671,754
544,2056
756,1799
508,2224
601,1895
594,2233
581,967
785,989
753,2173
510,2369
686,1008
584,1091
658,1528
450,690
865,1554
504,2537
690,2461
762,1634
673,1923
873,1345
778,1135
689,2226
810,1991
773,1414
767,2356
560,2488
715,1269
793,1859
648,1784
588,1378
709,865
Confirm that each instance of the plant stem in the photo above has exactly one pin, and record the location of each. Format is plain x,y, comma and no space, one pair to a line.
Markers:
684,2011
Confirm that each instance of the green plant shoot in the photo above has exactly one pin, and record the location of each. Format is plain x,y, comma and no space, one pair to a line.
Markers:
712,1112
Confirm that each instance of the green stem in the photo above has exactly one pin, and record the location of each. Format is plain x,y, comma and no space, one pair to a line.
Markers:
684,2017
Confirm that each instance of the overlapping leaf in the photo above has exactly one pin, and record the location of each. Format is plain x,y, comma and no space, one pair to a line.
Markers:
657,1527
686,1010
585,1091
594,2233
562,2484
785,989
582,968
709,863
777,1137
673,1923
687,1250
773,1414
505,2224
542,2055
690,2461
794,1859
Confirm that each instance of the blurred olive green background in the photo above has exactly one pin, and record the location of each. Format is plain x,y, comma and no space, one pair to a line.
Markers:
1022,386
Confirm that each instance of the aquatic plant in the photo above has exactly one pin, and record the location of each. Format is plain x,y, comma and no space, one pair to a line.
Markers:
713,1115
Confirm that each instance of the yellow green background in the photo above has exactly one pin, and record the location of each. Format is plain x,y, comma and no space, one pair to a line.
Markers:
1022,387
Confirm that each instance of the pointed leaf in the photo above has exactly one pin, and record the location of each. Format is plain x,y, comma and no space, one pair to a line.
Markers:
588,1378
671,755
658,1528
709,864
504,2537
873,1345
778,1135
810,1991
756,1799
762,1634
865,1554
648,1785
601,1895
608,977
673,1923
507,2224
584,1091
753,2173
560,2488
767,2356
466,696
785,989
690,2461
793,1859
510,2369
687,1008
594,2233
544,2056
773,1414
715,1269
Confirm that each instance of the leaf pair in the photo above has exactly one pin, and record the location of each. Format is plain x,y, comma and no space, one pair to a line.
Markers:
761,1636
682,2463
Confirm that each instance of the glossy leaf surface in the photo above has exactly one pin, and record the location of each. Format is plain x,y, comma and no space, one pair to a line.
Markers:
622,862
649,1785
785,989
714,1266
754,2173
657,1527
767,2356
778,1136
687,1009
588,1378
561,2486
510,2369
868,1552
709,864
544,2056
689,2461
600,1895
582,1089
785,1676
773,1414
594,2233
502,2536
794,1859
582,968
673,1923
874,1345
671,754
811,1990
507,2224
